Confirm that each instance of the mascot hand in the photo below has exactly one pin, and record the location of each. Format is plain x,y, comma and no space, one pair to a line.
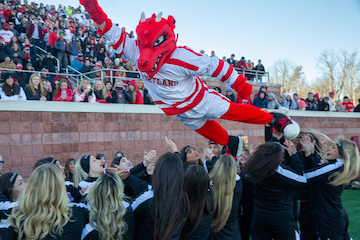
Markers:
245,91
243,88
95,11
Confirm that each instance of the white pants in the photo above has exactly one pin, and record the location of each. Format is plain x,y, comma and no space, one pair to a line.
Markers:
212,106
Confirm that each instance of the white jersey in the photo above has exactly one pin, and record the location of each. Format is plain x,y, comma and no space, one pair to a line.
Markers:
176,88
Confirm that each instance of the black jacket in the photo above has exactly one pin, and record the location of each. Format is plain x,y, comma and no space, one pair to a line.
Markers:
121,96
311,105
22,78
49,63
29,94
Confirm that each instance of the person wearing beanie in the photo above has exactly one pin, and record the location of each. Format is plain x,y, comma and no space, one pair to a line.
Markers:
261,101
74,48
289,103
78,62
21,76
273,103
264,89
87,170
229,93
10,90
311,105
6,33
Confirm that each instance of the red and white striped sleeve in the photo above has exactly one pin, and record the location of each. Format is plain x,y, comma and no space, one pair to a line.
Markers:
197,64
123,45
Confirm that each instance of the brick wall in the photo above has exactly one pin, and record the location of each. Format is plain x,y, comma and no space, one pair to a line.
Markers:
27,136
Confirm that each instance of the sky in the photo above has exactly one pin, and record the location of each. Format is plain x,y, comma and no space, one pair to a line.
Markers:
268,30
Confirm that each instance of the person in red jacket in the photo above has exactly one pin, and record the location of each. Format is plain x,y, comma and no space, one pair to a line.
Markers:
348,104
53,36
64,93
135,93
241,64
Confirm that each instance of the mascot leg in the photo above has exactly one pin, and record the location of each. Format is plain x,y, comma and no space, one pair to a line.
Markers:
250,114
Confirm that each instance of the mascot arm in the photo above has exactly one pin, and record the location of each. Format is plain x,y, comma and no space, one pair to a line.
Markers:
95,11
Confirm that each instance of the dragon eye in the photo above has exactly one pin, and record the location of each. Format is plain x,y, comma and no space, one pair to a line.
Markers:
160,40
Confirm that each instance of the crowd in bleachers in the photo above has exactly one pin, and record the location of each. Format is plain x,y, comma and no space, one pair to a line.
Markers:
287,101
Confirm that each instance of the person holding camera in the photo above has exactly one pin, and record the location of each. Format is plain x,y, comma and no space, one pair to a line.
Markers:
84,93
120,94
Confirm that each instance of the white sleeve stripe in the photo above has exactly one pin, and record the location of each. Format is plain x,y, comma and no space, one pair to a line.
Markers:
7,205
81,205
142,198
126,204
328,168
86,230
238,177
291,175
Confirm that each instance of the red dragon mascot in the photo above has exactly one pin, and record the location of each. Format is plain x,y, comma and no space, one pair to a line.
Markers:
172,76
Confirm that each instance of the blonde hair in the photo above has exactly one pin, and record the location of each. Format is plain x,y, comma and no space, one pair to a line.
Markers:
107,210
50,213
351,162
223,177
104,91
42,90
80,87
79,173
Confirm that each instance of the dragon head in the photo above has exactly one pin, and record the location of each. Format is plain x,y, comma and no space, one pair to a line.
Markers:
156,41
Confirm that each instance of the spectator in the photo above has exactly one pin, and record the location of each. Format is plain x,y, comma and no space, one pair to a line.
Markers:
217,89
133,73
261,101
102,94
273,103
243,100
120,95
62,50
21,76
259,67
18,56
13,30
78,62
11,185
357,108
212,54
84,93
289,103
12,17
100,51
8,63
64,92
30,54
317,98
35,89
281,100
241,64
53,37
349,106
311,105
324,104
144,92
86,68
331,102
135,93
29,67
74,48
36,34
229,93
108,85
249,64
6,34
231,60
264,89
3,49
49,62
10,90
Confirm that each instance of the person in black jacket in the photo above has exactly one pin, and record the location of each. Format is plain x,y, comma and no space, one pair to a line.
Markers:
357,108
21,76
198,223
111,216
324,104
311,104
3,50
328,181
120,94
11,186
35,89
273,199
87,68
49,62
229,93
51,214
226,189
144,92
160,212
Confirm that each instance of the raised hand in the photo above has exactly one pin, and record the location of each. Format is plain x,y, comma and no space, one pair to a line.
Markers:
149,157
289,147
95,11
171,144
307,144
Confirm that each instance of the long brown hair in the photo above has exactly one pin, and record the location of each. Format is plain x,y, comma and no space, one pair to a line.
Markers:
170,202
59,88
264,161
10,91
42,90
196,184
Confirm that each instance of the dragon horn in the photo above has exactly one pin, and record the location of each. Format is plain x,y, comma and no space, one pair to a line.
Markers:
158,17
142,18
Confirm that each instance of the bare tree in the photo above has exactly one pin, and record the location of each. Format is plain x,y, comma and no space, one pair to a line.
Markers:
288,75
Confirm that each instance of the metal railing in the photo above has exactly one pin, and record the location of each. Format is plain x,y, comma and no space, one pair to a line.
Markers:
57,60
254,75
